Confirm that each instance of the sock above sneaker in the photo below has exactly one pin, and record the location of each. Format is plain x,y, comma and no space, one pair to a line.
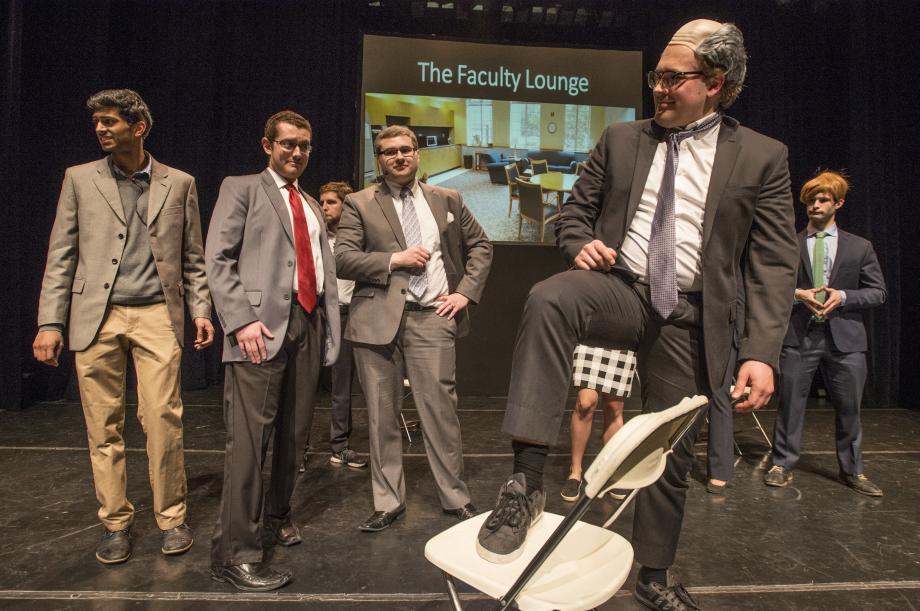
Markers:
530,460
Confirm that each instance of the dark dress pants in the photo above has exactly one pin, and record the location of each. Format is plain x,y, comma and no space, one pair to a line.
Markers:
720,447
844,375
342,374
278,395
670,357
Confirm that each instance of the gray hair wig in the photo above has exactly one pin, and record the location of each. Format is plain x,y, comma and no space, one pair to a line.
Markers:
723,52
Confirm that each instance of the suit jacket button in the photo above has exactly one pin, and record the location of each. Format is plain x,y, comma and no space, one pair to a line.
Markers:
290,264
402,291
106,285
114,261
121,236
287,297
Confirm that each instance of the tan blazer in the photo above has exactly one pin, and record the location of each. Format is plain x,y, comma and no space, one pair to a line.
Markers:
88,239
370,232
250,254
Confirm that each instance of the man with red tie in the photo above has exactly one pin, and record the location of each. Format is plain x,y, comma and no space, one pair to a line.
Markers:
275,295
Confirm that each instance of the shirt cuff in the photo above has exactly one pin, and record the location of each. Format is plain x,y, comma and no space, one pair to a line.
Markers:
843,298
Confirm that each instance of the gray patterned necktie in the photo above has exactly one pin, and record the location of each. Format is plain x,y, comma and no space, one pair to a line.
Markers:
662,255
412,230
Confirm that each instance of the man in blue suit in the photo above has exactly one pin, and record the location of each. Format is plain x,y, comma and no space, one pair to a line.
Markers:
839,278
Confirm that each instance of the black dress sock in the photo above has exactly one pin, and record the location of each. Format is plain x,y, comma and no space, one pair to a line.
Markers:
529,459
649,575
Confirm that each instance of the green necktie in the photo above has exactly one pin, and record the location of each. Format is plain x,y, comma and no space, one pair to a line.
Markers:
817,269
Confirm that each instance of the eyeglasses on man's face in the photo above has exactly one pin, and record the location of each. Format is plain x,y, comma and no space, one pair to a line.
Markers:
288,146
669,79
389,153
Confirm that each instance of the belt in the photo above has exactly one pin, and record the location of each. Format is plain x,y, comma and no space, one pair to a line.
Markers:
295,303
413,306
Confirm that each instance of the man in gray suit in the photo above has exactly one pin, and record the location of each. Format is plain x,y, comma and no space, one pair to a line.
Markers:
273,280
125,254
655,244
839,279
418,258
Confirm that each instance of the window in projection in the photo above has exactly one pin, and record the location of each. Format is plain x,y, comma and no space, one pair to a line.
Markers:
481,112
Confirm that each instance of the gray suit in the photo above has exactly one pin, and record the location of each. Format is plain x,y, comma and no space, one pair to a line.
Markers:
748,225
391,342
250,256
837,346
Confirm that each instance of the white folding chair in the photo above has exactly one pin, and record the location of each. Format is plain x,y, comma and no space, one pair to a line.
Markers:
567,564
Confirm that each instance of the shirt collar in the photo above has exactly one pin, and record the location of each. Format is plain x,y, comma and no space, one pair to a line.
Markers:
396,190
281,182
145,170
830,230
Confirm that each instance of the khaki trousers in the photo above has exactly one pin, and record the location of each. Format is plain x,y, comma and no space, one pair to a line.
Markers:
147,334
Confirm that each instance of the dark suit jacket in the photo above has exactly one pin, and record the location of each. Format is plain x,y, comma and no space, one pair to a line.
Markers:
748,225
856,271
250,255
87,242
370,232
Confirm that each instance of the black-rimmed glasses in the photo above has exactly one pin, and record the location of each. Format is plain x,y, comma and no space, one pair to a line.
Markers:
669,79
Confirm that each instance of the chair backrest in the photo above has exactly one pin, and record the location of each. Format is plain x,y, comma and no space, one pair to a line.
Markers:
539,166
636,455
511,173
530,196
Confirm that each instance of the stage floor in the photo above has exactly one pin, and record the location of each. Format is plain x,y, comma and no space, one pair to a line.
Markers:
813,545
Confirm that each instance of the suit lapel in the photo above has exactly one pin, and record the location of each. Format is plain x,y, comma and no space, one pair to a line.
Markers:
159,189
278,203
843,240
649,139
385,201
805,262
727,151
437,205
105,182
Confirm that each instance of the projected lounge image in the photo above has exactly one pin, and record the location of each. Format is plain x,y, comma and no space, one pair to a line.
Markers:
513,162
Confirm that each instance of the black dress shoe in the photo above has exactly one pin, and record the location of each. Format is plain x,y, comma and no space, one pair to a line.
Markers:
861,484
251,577
114,547
463,513
655,595
177,540
286,533
381,519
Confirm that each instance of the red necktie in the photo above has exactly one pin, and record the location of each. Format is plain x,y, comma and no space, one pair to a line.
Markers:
306,272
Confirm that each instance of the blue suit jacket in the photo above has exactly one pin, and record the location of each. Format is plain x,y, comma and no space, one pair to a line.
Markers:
856,271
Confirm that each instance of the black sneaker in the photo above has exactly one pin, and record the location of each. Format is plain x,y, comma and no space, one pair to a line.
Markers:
501,538
571,490
655,595
348,457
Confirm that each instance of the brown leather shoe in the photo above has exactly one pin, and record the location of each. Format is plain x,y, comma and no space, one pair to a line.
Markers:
463,513
286,533
114,547
177,540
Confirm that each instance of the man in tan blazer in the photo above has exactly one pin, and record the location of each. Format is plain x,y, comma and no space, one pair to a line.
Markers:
273,280
419,258
125,253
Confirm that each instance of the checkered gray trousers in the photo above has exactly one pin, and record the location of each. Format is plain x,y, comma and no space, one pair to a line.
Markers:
605,370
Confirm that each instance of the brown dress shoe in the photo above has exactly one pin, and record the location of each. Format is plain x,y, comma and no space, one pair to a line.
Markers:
177,540
286,533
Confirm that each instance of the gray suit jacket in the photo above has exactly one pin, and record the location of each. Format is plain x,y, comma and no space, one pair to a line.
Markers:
88,239
856,271
748,225
370,232
250,254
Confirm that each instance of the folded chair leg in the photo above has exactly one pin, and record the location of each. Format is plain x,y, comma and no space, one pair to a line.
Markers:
405,427
762,432
452,592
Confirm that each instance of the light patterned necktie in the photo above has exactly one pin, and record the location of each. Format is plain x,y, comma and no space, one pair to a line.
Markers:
412,230
662,256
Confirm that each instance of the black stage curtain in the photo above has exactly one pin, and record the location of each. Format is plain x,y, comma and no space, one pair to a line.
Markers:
834,79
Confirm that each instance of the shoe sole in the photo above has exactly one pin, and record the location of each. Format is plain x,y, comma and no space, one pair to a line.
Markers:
117,561
176,552
496,558
222,579
570,499
339,463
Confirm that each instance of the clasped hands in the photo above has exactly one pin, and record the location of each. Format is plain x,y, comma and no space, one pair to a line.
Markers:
810,298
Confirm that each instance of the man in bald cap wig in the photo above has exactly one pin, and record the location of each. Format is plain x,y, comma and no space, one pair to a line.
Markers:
669,219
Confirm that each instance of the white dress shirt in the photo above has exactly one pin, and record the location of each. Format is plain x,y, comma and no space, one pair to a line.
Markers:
431,239
691,186
346,287
313,227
